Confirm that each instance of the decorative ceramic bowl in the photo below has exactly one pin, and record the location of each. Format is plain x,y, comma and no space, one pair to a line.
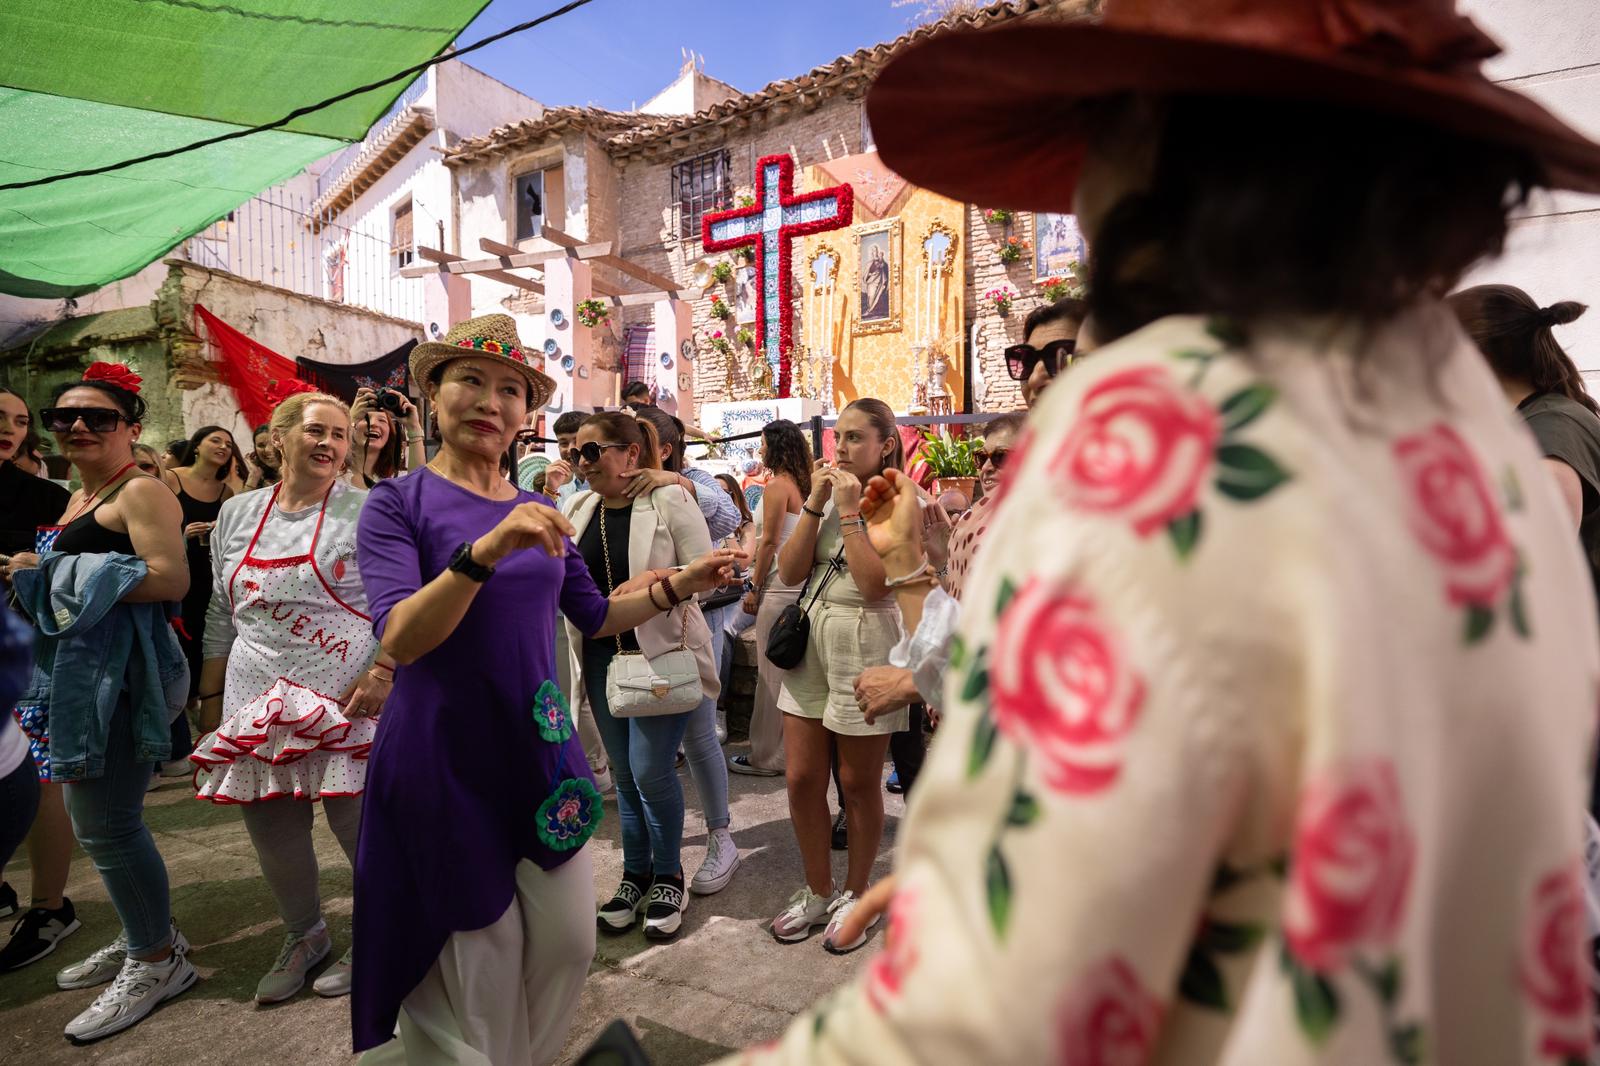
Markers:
551,347
666,359
558,318
567,363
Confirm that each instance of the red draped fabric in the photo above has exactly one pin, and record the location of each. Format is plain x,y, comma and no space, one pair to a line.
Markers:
258,376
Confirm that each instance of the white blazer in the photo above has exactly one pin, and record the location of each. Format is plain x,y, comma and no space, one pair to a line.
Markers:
666,529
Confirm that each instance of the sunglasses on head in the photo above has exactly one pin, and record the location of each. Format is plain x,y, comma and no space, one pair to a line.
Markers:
998,456
1055,355
590,453
95,419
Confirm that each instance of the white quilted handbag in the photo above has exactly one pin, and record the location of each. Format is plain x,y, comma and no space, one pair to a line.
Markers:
638,686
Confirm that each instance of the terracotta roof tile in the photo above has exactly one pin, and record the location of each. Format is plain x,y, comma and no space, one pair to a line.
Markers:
531,131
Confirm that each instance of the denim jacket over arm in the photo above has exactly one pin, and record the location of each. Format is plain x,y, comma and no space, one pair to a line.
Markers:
94,651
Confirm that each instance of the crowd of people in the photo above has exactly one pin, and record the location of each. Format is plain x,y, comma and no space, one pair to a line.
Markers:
1261,670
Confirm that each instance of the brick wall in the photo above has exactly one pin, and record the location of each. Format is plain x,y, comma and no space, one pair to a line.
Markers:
985,271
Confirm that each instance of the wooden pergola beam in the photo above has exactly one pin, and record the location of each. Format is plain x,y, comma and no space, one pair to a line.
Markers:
615,262
444,260
457,265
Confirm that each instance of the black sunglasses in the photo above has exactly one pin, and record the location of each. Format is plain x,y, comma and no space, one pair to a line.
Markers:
95,419
998,457
1022,358
590,453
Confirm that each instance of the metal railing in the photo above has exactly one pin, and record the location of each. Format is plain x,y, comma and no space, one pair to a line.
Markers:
414,92
271,239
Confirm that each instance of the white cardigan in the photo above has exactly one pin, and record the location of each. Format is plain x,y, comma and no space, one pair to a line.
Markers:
666,529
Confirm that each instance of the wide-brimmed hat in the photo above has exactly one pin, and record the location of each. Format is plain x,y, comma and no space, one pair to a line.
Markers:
993,117
491,336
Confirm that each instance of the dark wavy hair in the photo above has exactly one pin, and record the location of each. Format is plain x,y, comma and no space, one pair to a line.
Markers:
131,404
1514,334
669,434
788,452
1266,206
236,463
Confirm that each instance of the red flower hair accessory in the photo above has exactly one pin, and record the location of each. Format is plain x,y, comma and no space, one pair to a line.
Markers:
113,374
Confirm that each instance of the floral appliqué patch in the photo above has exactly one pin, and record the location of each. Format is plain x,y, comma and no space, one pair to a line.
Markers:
570,815
550,714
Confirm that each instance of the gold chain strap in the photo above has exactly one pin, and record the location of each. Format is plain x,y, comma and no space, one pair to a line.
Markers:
611,582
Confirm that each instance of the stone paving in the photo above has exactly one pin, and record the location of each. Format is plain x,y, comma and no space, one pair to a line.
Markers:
723,984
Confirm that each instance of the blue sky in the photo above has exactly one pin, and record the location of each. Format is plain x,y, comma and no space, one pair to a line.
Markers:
619,53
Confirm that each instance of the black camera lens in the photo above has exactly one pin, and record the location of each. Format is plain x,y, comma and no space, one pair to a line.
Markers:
389,400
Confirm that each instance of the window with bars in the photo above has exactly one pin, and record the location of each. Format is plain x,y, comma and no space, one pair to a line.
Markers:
699,185
402,250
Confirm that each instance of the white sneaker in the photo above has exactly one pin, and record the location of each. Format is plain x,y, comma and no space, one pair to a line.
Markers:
840,910
177,768
336,980
105,964
140,987
722,859
805,912
288,974
603,781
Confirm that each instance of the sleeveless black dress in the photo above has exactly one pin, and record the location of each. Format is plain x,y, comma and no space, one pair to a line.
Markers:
198,598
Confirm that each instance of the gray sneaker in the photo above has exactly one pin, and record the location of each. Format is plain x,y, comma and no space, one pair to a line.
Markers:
335,981
106,963
288,975
140,988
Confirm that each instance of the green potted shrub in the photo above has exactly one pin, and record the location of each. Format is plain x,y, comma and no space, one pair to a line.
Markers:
951,460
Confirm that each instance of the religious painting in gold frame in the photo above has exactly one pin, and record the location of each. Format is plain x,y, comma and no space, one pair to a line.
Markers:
878,276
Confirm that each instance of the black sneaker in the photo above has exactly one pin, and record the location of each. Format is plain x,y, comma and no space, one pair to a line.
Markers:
8,900
618,915
663,911
841,835
36,935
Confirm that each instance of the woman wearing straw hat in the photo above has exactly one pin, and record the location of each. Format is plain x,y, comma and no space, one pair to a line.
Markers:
474,925
1267,727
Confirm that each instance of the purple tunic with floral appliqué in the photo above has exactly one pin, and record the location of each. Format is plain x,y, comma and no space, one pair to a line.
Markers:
475,766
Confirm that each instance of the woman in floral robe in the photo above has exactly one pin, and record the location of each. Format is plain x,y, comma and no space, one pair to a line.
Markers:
1267,722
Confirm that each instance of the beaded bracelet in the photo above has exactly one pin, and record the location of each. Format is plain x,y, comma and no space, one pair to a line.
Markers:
672,594
651,592
808,510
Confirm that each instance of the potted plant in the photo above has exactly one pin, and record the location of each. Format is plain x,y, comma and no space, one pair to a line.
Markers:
747,253
721,343
720,308
591,313
1071,285
746,336
1001,298
723,271
744,199
997,216
951,461
1012,249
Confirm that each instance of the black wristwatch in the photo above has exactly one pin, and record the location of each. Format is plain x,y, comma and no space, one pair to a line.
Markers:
461,562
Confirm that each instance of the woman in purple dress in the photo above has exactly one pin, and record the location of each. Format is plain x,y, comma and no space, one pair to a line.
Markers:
474,926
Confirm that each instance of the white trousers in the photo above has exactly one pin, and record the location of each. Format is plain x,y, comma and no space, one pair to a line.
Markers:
506,993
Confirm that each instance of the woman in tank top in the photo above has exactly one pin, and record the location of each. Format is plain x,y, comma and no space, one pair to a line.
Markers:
786,454
119,509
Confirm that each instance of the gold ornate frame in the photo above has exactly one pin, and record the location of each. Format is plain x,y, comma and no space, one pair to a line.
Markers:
937,226
895,229
810,283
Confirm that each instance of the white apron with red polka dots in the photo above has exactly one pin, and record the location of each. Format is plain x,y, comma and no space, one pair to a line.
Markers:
297,650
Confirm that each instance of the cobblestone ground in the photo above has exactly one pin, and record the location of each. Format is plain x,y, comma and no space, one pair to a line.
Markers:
723,984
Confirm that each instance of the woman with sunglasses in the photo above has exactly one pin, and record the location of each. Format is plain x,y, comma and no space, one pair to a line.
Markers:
474,922
629,543
1049,343
103,746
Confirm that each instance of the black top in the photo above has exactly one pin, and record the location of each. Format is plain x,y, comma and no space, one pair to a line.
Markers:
85,535
1567,430
27,502
619,521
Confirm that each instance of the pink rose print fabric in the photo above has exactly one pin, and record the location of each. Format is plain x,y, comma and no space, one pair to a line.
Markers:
1555,965
1140,449
899,955
1454,515
1062,687
1353,854
1108,1018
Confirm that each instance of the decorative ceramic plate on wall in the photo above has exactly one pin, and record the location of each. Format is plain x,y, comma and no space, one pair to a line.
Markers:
551,347
558,318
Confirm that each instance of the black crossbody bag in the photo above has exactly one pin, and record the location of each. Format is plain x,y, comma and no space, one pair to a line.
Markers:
786,644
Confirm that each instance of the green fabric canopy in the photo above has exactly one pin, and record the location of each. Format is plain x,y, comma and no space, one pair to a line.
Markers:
92,82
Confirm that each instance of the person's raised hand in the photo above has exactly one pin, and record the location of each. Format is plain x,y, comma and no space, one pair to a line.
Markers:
366,401
715,568
821,485
528,525
556,475
894,521
936,530
643,482
846,491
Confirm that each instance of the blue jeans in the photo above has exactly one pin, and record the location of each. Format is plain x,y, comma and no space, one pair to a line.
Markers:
707,764
643,754
108,819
